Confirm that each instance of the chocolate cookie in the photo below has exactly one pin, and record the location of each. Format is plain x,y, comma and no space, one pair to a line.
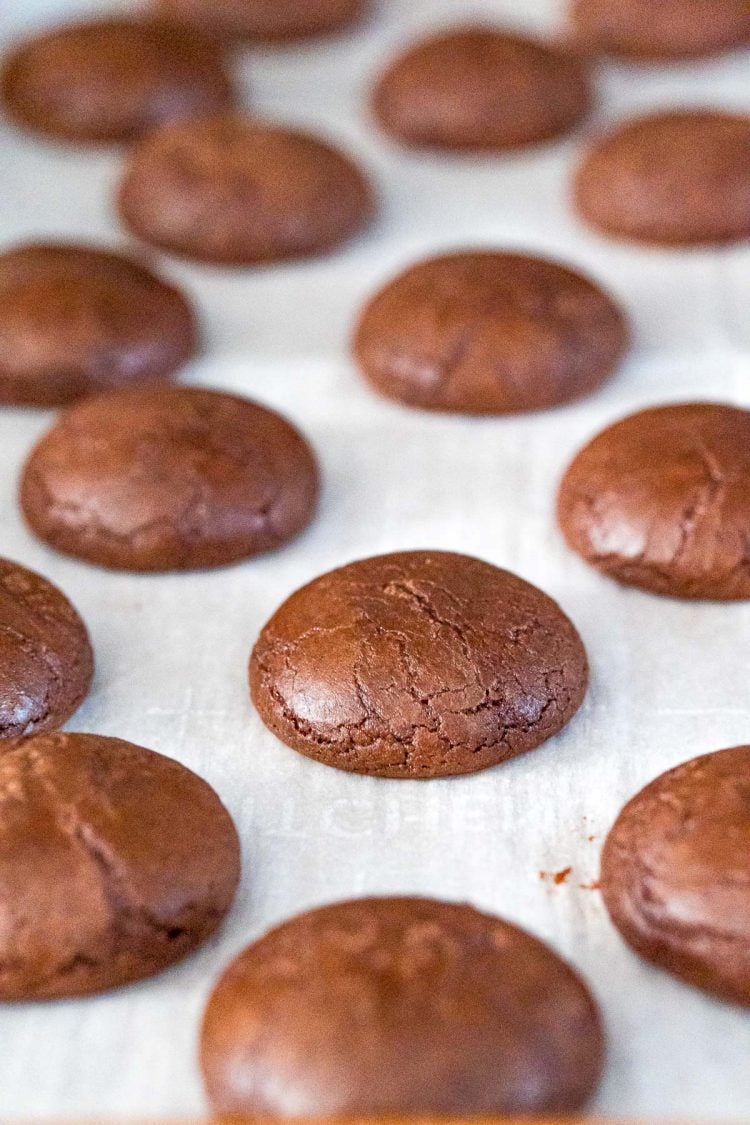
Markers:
661,500
169,479
489,333
676,873
478,88
379,1007
77,320
266,20
669,29
101,881
676,178
114,79
229,189
46,663
419,664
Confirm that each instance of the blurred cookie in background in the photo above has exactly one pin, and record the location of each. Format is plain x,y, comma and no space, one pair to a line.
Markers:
230,189
674,178
266,20
77,320
113,79
661,30
485,332
479,88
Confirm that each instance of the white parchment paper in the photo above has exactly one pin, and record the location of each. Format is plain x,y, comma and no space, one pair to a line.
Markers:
669,679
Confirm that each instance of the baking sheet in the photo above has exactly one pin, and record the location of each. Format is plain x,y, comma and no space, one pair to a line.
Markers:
669,680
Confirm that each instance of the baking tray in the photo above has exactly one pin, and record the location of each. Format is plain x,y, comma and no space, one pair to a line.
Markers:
669,679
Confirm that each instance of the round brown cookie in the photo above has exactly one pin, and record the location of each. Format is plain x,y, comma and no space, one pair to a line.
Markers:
676,873
389,1006
77,320
114,79
229,189
489,333
676,178
169,479
101,881
478,88
661,500
415,665
670,29
46,662
266,20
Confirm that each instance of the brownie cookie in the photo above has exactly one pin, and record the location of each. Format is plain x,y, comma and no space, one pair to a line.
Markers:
676,178
169,479
476,88
101,881
661,500
676,873
113,80
229,189
266,20
489,333
415,665
46,663
669,29
379,1007
77,320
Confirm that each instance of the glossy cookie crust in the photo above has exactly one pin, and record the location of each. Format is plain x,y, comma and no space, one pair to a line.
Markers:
416,665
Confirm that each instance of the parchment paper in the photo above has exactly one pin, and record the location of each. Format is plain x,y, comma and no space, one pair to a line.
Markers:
669,679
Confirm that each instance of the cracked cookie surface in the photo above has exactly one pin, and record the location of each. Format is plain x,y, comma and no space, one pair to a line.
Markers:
46,662
113,79
77,320
232,189
480,89
676,873
169,478
416,665
101,881
401,1006
266,20
671,29
678,178
489,333
661,500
